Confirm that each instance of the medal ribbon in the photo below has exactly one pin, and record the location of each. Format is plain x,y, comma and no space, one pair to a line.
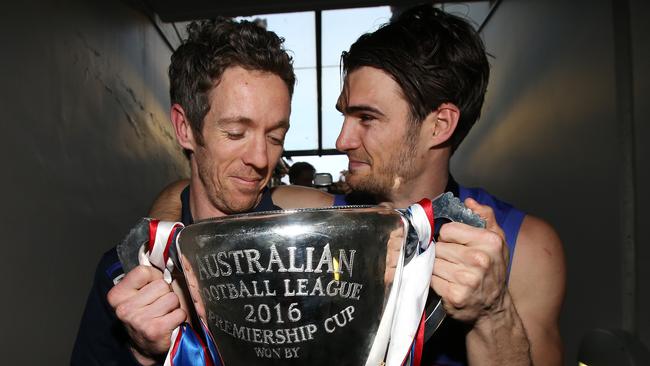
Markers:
400,335
187,347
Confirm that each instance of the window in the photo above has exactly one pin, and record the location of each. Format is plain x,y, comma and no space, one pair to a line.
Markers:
314,131
299,32
340,28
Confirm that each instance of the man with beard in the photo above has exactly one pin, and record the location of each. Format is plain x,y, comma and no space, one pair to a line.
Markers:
230,87
412,91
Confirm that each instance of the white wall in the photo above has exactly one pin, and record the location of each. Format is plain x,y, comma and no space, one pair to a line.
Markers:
548,142
86,146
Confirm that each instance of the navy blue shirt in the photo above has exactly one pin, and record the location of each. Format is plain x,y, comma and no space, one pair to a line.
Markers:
102,339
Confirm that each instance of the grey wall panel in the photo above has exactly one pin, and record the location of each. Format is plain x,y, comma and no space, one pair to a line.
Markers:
547,142
87,144
640,13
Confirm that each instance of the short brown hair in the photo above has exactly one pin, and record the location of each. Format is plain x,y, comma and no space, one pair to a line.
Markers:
211,47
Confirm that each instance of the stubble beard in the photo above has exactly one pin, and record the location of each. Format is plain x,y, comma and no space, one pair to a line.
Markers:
219,196
388,175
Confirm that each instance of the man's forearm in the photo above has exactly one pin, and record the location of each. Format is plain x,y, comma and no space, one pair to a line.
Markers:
499,339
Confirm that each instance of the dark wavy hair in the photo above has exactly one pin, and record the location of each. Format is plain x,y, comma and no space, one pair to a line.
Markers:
211,47
296,170
435,58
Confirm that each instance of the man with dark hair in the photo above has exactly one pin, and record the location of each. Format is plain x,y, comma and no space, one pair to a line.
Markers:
302,174
230,87
210,49
412,91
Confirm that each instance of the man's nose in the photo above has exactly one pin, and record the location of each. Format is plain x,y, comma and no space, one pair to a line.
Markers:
348,137
256,154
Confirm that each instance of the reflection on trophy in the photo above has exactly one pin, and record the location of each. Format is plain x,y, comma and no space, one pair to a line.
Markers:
317,286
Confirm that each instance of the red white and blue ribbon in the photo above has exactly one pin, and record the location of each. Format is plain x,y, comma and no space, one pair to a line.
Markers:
156,252
187,347
400,336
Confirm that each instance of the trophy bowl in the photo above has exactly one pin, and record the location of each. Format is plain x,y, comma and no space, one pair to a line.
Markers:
294,287
346,285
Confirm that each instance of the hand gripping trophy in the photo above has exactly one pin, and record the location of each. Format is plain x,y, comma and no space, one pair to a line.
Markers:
346,285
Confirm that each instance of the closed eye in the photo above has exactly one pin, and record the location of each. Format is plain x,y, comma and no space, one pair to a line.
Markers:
234,135
276,136
276,140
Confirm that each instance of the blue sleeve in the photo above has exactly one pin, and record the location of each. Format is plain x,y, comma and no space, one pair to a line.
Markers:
339,200
102,339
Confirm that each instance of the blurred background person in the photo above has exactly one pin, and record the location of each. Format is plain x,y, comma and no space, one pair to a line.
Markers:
302,174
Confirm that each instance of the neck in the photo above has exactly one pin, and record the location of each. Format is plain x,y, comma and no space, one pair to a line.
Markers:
428,182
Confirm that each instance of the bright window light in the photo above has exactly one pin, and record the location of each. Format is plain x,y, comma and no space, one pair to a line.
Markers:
340,29
299,32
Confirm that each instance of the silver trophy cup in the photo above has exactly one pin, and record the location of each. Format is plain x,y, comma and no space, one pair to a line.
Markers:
302,286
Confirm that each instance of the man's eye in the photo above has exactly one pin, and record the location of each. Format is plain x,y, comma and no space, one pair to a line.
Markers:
366,117
275,140
234,135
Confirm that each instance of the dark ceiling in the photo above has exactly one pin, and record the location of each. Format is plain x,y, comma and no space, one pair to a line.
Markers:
175,11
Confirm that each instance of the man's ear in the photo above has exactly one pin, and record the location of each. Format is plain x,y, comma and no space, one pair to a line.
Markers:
442,123
182,128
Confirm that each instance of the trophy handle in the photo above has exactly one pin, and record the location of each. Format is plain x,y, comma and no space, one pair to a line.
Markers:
129,248
446,208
